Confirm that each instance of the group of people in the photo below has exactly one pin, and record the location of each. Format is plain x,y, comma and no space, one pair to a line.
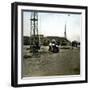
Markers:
54,46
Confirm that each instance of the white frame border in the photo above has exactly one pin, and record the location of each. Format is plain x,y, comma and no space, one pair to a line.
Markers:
30,80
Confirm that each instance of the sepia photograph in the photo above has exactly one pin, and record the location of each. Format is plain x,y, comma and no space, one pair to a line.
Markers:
51,43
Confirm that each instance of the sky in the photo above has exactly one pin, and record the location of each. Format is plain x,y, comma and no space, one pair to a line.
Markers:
53,24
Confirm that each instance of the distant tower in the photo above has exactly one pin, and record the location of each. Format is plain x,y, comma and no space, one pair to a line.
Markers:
65,35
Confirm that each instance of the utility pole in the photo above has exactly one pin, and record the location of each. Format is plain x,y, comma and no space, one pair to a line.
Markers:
34,38
66,22
65,34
